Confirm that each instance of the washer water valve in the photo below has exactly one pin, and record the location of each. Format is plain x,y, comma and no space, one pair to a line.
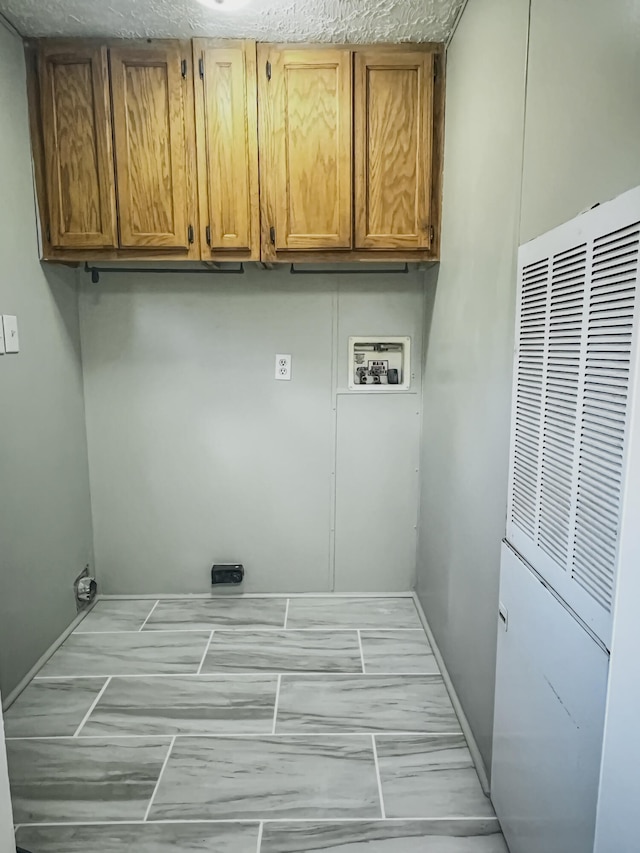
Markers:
379,363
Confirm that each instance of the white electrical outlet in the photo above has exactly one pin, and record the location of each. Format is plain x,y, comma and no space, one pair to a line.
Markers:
11,340
283,367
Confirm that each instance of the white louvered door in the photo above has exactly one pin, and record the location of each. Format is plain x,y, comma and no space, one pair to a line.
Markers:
575,370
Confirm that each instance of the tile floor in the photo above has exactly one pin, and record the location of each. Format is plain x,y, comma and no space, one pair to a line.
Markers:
245,725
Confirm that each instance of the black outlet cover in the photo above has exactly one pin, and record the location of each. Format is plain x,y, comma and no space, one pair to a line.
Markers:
227,573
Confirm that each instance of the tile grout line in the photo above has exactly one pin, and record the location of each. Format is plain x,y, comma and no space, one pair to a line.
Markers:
92,707
247,673
205,736
275,706
162,769
375,758
204,655
260,829
260,629
149,615
252,821
286,614
361,652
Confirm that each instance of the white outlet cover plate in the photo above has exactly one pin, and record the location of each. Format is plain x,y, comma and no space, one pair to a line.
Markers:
283,367
1,338
11,339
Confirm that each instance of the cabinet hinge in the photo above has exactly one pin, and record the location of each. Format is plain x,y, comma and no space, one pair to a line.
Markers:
436,67
432,235
272,235
190,234
48,234
208,234
183,68
201,68
268,70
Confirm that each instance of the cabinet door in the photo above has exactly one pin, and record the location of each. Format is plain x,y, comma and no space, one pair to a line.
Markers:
227,125
149,116
310,134
78,157
393,148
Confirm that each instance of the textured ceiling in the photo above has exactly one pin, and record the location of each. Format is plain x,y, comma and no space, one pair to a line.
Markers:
264,20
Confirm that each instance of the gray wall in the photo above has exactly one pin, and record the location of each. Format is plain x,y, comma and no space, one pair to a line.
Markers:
45,519
468,360
198,455
580,146
583,115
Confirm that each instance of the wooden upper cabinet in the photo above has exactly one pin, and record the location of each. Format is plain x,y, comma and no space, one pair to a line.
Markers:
306,147
394,134
76,142
150,92
227,135
153,149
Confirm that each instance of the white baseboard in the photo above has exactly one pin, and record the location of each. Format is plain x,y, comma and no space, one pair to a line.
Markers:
10,698
464,723
233,592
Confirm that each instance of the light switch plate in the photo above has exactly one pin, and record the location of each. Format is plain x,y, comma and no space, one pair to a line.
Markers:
11,340
1,338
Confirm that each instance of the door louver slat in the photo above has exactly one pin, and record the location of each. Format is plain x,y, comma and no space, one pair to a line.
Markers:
529,394
563,359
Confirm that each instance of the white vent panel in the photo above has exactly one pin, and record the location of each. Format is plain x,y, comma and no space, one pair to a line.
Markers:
609,343
573,378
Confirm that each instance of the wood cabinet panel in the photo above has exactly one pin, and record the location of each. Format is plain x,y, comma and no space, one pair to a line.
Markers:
349,165
227,134
307,147
78,161
149,116
394,109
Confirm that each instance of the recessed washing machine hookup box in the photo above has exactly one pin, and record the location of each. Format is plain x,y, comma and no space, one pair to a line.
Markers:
379,363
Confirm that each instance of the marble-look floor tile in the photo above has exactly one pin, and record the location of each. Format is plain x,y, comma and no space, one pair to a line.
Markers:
397,651
51,708
344,612
212,704
136,653
365,703
429,777
284,651
83,780
141,838
278,777
116,615
211,613
465,836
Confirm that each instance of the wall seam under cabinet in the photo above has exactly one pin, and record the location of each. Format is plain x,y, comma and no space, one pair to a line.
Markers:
334,443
